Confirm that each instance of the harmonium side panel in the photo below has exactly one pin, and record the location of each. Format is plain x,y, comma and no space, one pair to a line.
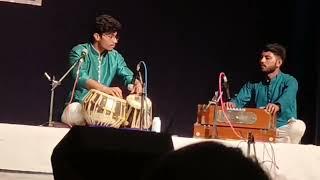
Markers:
202,131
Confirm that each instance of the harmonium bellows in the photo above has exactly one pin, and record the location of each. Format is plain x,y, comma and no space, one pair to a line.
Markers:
213,123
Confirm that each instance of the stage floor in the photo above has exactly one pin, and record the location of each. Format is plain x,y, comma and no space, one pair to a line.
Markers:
26,152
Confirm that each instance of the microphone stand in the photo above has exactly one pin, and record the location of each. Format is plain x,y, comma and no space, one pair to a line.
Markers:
251,141
143,95
54,85
215,101
143,110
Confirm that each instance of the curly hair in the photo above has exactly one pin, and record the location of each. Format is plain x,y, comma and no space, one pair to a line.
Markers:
105,24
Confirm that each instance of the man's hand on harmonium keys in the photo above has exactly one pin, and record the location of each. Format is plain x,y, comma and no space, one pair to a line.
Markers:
272,108
230,105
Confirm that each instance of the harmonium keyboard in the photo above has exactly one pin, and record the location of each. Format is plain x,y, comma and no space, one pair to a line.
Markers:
212,123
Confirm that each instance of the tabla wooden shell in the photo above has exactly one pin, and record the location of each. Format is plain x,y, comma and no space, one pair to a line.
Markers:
101,109
133,115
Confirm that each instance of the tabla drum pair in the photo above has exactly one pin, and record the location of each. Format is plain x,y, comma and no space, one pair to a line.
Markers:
101,109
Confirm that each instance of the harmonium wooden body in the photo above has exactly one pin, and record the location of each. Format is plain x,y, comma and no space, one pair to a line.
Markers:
236,123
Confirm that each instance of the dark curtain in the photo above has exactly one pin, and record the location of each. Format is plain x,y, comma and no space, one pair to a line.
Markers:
184,44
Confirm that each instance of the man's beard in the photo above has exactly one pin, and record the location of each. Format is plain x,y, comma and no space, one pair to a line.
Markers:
270,69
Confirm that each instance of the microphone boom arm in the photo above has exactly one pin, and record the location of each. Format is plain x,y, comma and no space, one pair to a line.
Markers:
55,84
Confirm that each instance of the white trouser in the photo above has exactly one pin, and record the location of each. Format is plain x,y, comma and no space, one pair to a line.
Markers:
72,114
291,132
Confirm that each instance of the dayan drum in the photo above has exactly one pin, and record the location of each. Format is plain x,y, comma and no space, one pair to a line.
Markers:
134,113
104,110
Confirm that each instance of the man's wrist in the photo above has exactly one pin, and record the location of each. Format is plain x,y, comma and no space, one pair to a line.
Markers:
279,105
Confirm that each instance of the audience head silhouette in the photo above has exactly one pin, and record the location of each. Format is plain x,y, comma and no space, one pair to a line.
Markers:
206,160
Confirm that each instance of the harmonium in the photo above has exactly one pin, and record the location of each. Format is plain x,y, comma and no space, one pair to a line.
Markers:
235,123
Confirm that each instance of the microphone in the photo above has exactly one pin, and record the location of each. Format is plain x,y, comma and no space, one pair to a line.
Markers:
130,87
84,53
226,86
138,66
136,77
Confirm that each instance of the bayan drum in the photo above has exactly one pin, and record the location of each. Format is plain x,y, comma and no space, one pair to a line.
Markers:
101,109
133,115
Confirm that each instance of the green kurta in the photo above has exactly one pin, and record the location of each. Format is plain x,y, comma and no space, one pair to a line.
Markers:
102,68
282,90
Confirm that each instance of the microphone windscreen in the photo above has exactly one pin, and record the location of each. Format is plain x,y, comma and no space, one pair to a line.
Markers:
130,87
225,79
84,52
